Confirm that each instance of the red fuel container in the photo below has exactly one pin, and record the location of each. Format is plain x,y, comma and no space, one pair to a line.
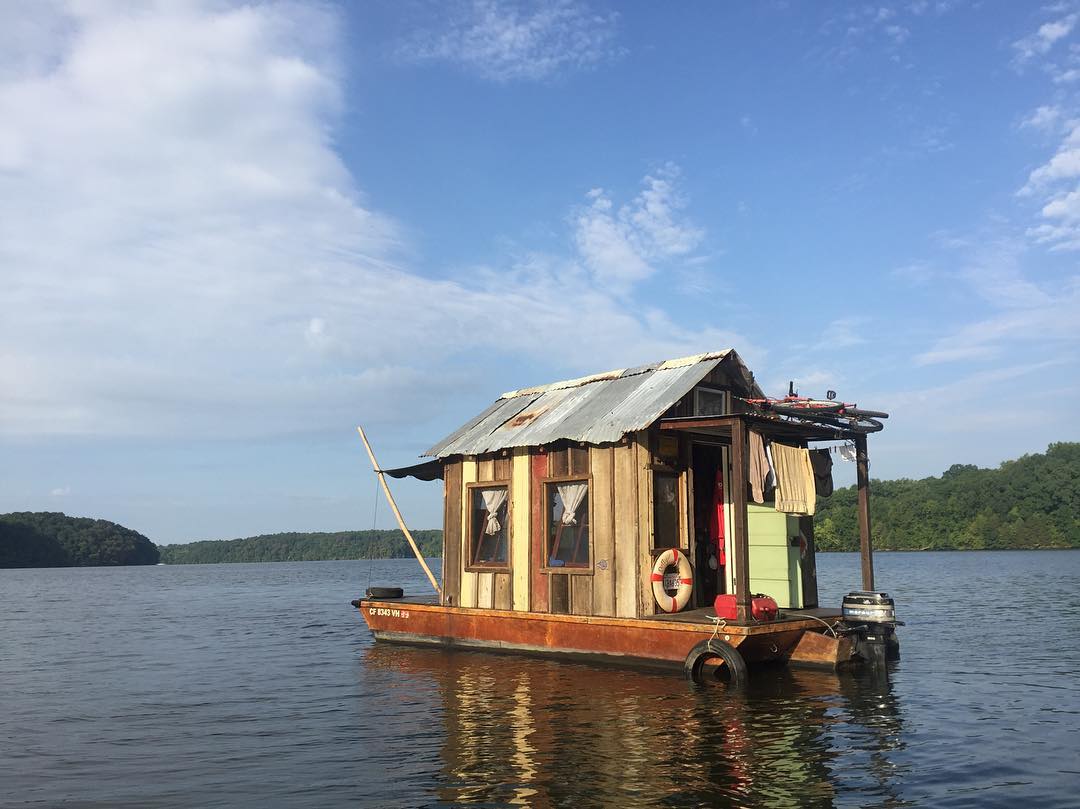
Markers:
762,607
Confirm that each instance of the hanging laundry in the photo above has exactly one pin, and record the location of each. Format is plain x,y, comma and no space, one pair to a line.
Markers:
716,519
795,490
821,462
847,452
759,467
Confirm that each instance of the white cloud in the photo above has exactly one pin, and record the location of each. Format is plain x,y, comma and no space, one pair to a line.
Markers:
1027,318
621,247
62,491
182,252
1064,165
843,333
506,41
1046,118
1040,42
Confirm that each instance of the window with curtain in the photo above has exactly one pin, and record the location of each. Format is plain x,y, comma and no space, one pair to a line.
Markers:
568,524
489,530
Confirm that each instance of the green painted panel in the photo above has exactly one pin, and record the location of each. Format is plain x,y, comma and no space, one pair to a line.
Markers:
769,561
776,572
767,526
774,564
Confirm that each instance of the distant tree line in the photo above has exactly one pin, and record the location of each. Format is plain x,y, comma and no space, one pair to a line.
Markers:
304,547
52,539
1032,502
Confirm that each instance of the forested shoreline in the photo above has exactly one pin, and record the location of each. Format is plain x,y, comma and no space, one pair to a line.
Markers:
53,539
1029,503
304,547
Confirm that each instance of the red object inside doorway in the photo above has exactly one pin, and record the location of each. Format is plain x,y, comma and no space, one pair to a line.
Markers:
716,518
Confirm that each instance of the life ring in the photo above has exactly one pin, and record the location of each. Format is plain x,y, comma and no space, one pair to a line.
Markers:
669,558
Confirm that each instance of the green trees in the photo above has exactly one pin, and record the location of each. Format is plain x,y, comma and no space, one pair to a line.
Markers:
304,547
1032,502
52,539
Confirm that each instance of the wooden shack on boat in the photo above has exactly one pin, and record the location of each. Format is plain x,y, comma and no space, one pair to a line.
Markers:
623,495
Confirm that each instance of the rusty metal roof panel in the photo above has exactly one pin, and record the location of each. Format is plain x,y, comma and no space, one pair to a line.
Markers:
648,401
462,440
595,409
562,407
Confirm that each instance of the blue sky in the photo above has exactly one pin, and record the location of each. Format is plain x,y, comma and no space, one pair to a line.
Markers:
230,233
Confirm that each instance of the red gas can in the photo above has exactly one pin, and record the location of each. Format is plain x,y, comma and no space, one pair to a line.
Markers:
762,607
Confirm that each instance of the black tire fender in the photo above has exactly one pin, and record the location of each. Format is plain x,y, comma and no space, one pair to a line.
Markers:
385,592
734,666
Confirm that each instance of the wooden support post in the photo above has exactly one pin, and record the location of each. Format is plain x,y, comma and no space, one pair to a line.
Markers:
740,474
394,508
862,471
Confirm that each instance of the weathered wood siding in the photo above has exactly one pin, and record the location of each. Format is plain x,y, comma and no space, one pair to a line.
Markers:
468,579
520,525
602,529
625,485
646,603
620,530
539,594
451,566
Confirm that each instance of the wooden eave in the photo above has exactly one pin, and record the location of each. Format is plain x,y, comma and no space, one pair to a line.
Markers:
772,428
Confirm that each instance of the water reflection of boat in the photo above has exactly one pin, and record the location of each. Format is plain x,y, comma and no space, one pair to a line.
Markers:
609,517
547,735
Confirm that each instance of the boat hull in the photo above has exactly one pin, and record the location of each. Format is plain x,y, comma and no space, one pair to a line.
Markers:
650,642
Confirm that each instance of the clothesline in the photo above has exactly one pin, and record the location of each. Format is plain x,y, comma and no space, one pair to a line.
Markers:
794,476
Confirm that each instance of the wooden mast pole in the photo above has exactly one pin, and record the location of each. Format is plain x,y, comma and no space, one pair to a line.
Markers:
866,549
740,474
401,522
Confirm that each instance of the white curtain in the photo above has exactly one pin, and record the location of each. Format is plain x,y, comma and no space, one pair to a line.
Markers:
571,495
493,501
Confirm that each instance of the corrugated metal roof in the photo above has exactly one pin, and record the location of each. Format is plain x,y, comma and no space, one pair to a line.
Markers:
594,409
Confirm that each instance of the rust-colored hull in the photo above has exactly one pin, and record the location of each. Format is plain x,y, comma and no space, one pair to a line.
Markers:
633,641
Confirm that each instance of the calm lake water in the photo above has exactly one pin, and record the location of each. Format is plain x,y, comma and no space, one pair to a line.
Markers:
258,685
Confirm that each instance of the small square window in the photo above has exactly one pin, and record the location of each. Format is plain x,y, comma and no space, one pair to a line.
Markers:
710,402
489,528
568,524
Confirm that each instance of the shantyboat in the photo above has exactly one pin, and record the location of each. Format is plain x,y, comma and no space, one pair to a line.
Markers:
656,516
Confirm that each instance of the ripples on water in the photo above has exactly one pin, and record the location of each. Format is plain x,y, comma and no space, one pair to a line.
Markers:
257,685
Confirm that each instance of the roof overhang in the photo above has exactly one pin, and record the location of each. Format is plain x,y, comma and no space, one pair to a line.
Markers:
772,428
427,470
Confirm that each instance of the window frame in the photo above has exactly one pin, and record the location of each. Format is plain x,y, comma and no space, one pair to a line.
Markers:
471,529
707,389
547,484
680,515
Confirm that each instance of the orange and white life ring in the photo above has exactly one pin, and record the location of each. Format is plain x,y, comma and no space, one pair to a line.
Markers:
672,558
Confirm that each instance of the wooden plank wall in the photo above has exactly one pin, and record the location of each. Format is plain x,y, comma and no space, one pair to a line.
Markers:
468,580
539,594
451,566
520,521
625,486
620,527
646,602
602,529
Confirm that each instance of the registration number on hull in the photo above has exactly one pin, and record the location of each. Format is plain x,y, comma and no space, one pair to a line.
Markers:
388,612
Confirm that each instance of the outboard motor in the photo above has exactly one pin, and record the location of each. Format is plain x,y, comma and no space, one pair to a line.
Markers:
871,617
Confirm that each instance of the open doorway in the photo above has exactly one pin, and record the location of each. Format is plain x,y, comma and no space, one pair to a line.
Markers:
710,525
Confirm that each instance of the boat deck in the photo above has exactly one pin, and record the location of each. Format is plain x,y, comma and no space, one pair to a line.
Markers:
705,616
